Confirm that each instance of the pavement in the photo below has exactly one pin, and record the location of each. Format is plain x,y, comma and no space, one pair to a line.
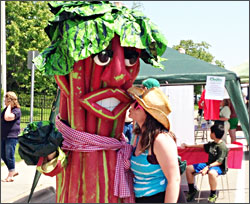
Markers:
18,191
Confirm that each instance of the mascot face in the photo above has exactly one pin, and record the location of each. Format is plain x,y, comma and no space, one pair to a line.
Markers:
95,90
117,68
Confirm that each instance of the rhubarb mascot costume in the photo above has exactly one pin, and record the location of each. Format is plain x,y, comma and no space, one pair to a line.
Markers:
94,57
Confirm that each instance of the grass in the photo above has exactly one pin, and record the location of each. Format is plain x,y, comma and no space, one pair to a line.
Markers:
36,114
17,156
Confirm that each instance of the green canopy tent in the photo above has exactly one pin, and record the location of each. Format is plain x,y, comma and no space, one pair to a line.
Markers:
182,69
242,71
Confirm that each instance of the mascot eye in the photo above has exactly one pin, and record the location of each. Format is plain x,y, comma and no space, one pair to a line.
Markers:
103,58
131,57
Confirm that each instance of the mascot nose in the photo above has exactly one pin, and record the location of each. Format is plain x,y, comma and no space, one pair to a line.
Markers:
116,74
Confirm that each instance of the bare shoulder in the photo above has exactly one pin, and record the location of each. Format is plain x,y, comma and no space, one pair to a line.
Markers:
164,138
164,145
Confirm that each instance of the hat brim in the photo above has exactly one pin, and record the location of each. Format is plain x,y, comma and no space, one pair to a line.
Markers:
156,113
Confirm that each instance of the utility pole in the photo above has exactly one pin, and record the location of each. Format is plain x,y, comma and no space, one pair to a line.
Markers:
3,51
31,55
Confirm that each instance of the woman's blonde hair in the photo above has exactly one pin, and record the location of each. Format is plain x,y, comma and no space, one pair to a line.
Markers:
12,97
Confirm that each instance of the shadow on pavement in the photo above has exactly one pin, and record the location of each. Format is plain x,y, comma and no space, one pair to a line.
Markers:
46,195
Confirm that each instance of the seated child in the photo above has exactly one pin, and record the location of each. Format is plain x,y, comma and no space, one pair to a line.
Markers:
217,152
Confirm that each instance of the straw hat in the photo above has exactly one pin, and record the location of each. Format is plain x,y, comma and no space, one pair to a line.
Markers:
154,101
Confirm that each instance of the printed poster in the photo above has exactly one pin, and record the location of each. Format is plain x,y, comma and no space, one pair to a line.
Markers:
215,88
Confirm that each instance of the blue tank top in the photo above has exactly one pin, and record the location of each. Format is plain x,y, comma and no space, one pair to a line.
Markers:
149,178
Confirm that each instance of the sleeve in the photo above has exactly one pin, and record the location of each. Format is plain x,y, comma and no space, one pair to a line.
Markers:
207,146
222,153
225,112
16,112
54,166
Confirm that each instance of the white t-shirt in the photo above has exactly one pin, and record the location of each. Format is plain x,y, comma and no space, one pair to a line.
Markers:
225,112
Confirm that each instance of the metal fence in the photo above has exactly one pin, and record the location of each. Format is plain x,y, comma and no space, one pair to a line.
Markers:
41,109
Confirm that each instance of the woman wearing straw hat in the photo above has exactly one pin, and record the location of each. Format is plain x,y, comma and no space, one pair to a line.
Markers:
154,159
10,128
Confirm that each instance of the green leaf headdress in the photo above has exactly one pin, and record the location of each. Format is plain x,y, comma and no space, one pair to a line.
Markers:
80,29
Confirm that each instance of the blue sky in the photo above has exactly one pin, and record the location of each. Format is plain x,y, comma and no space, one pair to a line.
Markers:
222,24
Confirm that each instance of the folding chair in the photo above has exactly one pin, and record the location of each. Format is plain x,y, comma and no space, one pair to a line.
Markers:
222,175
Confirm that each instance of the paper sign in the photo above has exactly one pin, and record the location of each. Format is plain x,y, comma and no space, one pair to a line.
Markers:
215,88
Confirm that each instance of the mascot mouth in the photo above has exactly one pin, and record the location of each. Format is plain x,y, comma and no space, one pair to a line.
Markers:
106,103
109,103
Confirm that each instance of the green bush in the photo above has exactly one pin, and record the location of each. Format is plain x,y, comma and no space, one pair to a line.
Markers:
1,95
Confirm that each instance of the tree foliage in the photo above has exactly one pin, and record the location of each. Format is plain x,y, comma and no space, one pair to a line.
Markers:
25,23
200,51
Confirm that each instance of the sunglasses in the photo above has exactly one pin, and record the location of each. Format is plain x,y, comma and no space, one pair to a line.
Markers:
137,106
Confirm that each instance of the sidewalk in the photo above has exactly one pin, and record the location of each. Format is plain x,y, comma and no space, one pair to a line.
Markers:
19,190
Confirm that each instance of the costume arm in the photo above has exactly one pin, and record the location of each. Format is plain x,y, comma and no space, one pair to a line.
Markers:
166,153
54,166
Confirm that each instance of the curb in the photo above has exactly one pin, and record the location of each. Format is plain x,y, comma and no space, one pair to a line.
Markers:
40,192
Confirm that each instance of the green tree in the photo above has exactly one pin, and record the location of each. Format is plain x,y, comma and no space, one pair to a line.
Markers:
25,23
1,95
200,51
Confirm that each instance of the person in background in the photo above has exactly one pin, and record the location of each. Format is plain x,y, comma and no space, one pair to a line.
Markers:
216,165
10,128
233,121
224,117
201,104
150,83
154,158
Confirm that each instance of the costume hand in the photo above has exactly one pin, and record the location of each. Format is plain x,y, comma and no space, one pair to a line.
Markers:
51,156
39,139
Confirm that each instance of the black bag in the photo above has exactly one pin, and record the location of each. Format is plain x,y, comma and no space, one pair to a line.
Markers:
182,165
39,139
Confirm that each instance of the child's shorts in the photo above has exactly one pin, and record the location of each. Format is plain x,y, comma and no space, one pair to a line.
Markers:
200,166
